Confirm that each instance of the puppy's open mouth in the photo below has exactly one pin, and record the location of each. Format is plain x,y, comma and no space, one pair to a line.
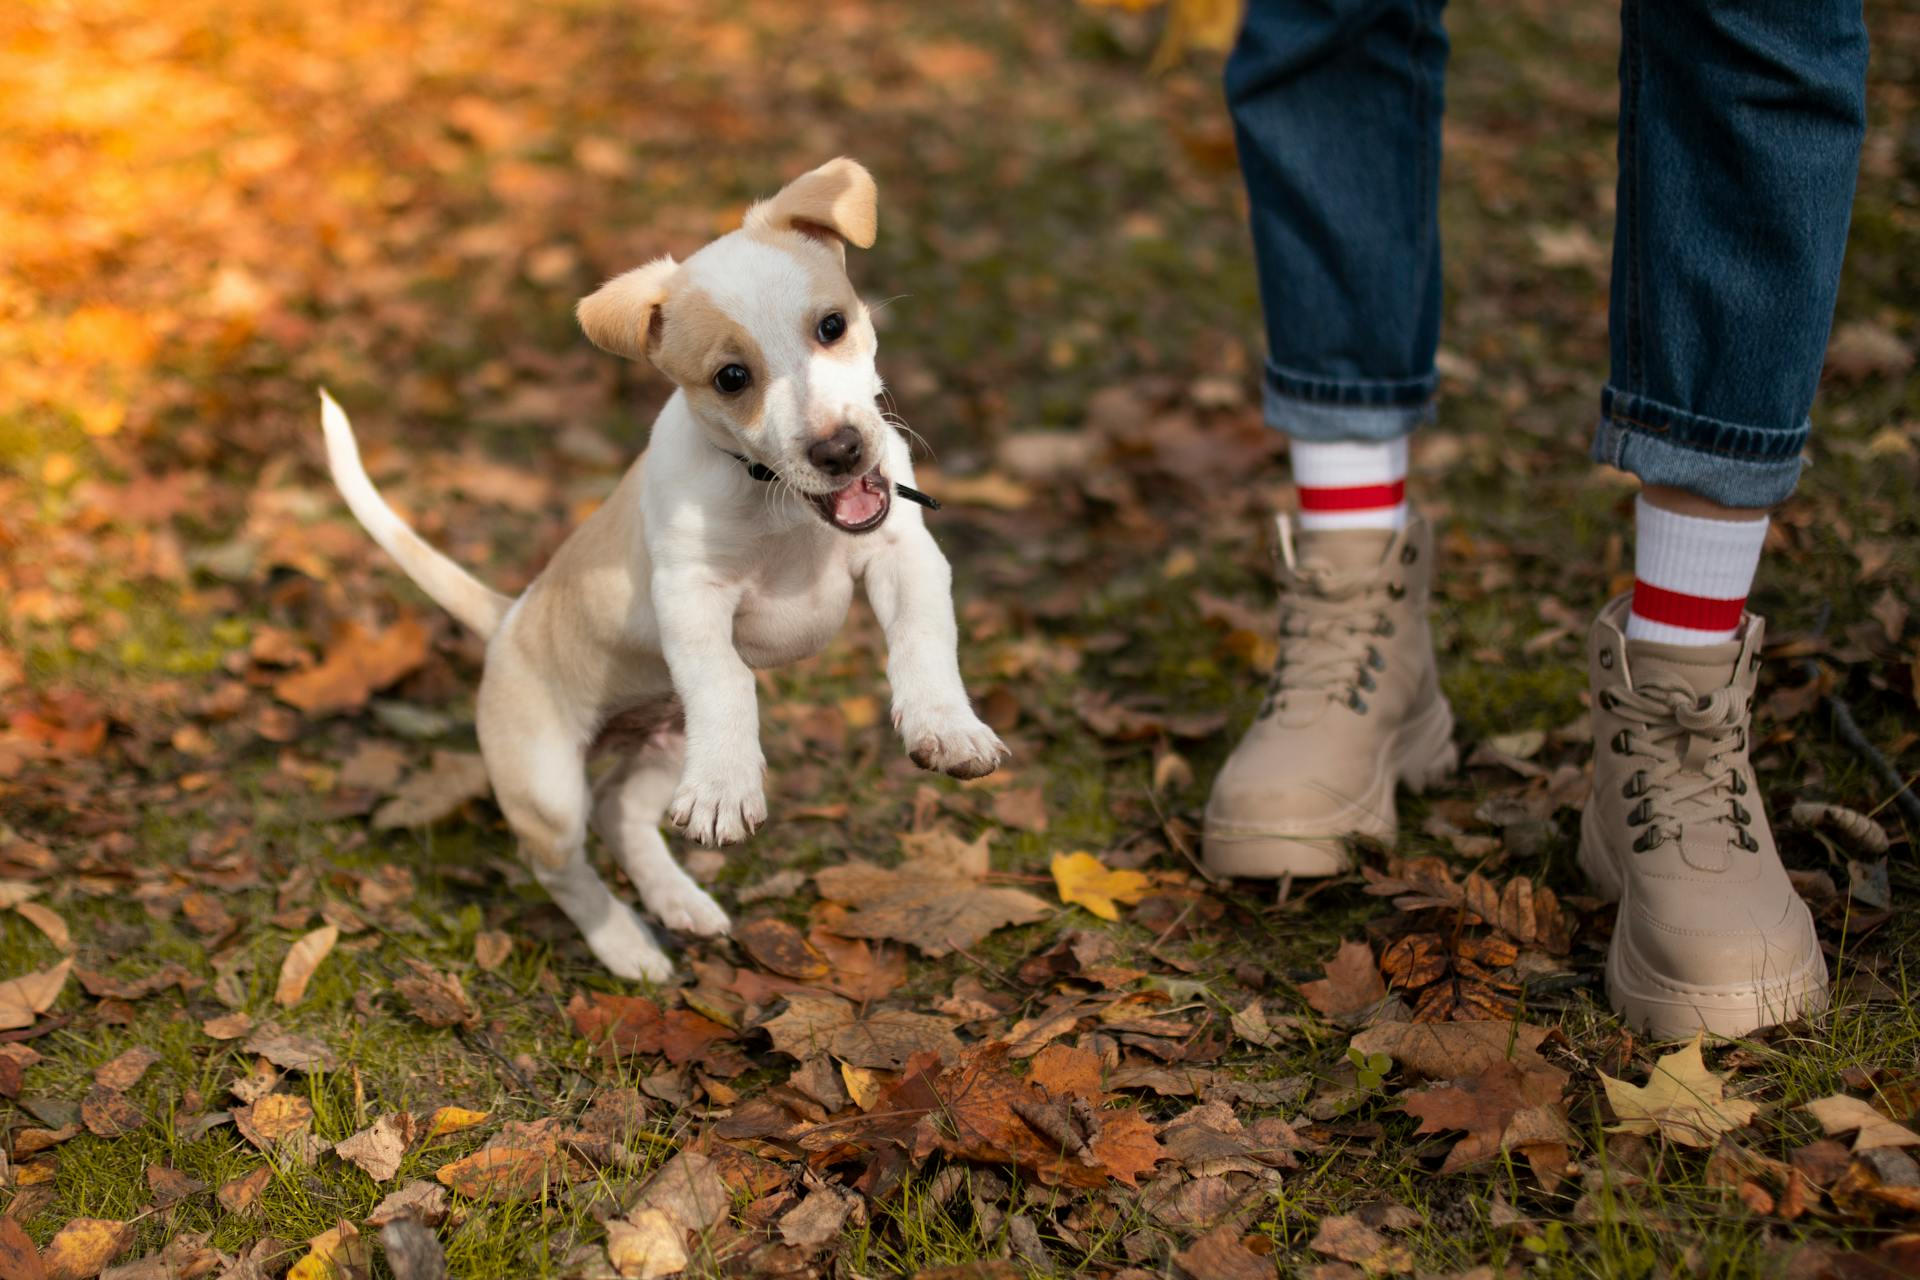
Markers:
859,507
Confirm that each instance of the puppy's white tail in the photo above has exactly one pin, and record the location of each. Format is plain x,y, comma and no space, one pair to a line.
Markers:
452,588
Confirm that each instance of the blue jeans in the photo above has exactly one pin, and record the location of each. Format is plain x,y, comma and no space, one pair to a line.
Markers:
1740,130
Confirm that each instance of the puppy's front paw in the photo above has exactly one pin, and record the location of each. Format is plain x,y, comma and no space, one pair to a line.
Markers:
626,947
719,808
685,907
952,740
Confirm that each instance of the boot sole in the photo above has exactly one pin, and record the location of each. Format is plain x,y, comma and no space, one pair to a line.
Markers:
1667,1010
1420,755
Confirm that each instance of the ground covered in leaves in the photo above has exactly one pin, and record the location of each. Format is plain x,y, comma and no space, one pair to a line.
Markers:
277,997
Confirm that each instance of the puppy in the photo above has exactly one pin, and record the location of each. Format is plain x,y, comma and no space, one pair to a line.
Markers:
734,542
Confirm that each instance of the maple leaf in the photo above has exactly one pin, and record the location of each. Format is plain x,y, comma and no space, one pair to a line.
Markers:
1084,880
1842,1114
1488,1105
636,1025
1681,1100
1351,985
377,1149
359,663
933,900
883,1038
1450,1050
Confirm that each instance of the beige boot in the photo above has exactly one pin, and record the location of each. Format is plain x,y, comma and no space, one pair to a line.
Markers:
1711,934
1353,709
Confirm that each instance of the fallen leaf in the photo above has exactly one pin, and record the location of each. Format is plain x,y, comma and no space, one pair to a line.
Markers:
296,971
378,1148
84,1247
1842,1114
274,1117
933,900
239,1195
1452,1050
108,1113
491,949
291,1052
25,998
1499,1107
359,663
625,1025
816,1221
19,1260
413,1251
339,1253
1084,880
1351,985
437,998
124,1072
47,921
779,947
1023,808
421,1200
228,1026
1220,1255
1681,1100
446,1120
170,1186
644,1245
436,792
880,1038
1347,1238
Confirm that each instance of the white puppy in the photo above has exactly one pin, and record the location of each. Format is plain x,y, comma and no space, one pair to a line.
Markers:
733,542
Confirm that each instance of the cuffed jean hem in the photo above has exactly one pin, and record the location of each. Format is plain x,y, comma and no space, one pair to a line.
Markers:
1329,411
1724,462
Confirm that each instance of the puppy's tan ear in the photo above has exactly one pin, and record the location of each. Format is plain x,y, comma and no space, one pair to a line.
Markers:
836,202
623,315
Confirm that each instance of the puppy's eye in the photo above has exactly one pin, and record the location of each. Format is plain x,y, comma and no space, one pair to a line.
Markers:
732,379
831,328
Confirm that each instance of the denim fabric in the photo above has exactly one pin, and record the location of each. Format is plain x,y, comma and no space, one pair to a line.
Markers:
1336,108
1740,129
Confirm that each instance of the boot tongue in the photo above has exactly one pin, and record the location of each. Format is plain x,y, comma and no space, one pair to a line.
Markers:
1701,668
1341,552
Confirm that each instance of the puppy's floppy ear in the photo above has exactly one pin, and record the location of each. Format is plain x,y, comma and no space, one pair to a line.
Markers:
836,203
623,315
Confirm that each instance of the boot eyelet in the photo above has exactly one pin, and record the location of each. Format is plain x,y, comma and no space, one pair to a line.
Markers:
1747,842
1741,814
1605,700
1606,659
1366,681
1739,785
1622,743
1376,659
1641,813
1753,663
1385,628
1409,553
1634,785
1358,703
1647,840
1395,591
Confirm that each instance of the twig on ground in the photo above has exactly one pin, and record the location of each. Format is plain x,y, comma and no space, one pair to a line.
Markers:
1848,730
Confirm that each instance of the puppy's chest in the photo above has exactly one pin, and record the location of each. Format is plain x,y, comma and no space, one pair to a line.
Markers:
791,610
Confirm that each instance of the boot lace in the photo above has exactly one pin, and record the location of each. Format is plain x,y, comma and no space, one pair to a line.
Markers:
1694,746
1330,626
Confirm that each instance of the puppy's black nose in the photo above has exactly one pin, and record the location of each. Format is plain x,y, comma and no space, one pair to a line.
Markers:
838,454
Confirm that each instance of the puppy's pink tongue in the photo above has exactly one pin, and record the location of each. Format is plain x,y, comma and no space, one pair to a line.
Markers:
858,503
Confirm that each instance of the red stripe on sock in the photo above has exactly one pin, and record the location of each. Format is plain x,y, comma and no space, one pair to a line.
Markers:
1677,609
1358,498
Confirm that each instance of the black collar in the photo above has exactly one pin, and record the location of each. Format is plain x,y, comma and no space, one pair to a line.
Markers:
762,472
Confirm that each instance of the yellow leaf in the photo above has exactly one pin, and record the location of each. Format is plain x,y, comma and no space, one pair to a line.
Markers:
452,1120
862,1085
333,1255
1084,879
85,1246
1681,1099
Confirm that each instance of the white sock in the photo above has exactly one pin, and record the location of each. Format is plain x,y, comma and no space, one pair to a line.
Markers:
1351,484
1691,575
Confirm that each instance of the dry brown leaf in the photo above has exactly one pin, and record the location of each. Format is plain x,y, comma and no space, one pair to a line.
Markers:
124,1072
84,1247
239,1195
1681,1099
1500,1107
644,1245
47,921
934,900
108,1113
437,998
780,948
437,792
19,1260
228,1026
296,971
636,1025
1347,1238
291,1052
1351,985
1842,1114
379,1148
420,1200
1220,1255
25,998
881,1038
1453,1050
274,1117
491,949
1022,808
359,663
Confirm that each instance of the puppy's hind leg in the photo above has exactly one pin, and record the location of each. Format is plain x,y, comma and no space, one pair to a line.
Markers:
627,810
539,779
